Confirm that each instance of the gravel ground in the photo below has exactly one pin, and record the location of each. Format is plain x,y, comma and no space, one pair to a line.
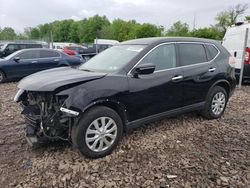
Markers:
185,151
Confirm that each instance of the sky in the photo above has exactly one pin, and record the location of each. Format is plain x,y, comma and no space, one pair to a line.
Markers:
19,14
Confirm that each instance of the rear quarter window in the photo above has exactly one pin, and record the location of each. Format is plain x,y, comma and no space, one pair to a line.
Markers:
212,51
191,53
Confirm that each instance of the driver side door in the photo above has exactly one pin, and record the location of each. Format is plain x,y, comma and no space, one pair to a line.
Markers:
27,63
159,92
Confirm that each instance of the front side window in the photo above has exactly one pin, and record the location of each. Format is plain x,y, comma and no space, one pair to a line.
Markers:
33,54
191,54
163,57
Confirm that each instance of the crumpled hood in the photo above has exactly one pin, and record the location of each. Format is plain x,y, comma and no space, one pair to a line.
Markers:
51,79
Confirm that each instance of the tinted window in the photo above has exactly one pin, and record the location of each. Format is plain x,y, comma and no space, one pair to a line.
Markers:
22,46
163,57
34,46
192,54
73,48
47,53
12,48
212,51
33,54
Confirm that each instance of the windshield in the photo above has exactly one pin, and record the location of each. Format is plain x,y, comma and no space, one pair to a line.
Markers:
113,58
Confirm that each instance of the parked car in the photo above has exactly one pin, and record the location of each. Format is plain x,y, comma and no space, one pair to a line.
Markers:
125,86
233,41
25,62
11,47
74,50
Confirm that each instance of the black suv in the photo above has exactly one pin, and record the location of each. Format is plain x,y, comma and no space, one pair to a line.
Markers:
133,83
11,47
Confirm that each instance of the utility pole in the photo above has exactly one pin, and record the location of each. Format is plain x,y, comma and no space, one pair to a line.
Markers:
96,46
51,37
194,22
243,57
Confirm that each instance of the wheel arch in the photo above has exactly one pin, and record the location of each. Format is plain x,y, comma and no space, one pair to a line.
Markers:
117,106
224,84
3,72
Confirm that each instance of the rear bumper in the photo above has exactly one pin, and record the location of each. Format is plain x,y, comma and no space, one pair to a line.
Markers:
246,73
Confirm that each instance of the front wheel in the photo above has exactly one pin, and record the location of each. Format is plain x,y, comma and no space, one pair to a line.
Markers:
215,103
98,132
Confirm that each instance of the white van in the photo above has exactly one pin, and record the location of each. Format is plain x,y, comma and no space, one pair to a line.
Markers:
233,41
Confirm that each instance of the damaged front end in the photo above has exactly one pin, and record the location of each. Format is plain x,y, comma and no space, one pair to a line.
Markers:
46,116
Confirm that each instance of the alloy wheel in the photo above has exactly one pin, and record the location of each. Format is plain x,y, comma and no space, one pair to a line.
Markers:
101,134
218,103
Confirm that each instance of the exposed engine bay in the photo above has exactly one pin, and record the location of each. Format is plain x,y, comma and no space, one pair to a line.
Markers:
45,116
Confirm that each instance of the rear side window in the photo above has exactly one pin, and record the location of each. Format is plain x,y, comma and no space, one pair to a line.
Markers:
212,51
22,46
25,46
191,54
47,54
33,54
163,57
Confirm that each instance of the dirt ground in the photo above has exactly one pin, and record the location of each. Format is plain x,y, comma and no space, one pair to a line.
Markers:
185,151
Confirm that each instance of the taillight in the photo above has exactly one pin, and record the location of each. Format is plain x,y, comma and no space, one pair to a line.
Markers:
247,56
231,61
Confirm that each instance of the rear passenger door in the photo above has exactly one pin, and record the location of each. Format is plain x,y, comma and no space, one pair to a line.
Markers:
49,59
199,71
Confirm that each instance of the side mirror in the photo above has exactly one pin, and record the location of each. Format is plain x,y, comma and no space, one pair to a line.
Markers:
17,59
147,68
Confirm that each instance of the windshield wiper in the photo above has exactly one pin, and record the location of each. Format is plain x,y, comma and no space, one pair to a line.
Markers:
87,70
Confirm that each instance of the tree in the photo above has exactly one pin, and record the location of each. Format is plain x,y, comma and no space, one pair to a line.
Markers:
8,34
93,26
121,30
248,18
74,32
35,33
147,30
229,17
208,32
45,30
178,29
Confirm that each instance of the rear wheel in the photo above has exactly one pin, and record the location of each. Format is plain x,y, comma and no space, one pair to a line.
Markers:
98,132
216,103
2,77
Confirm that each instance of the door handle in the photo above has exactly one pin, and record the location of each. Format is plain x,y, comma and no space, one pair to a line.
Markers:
56,60
33,61
212,69
177,78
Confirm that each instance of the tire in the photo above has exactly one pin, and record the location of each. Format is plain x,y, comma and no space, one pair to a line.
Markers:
209,110
86,130
2,77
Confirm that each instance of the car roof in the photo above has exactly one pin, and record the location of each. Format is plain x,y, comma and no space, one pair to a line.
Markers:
21,43
153,40
31,49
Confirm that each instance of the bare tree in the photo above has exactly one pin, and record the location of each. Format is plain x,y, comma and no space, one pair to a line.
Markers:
236,11
229,17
